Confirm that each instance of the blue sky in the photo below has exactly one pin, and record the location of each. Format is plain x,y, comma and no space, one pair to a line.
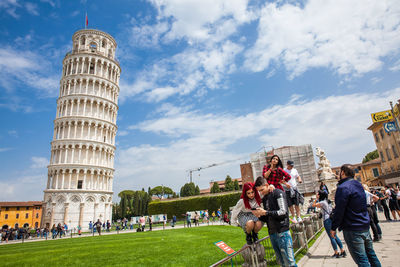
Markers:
202,82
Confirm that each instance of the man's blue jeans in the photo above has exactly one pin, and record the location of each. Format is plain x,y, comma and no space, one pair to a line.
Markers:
361,249
283,246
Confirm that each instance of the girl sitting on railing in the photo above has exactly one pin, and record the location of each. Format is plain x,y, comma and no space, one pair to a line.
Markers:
242,215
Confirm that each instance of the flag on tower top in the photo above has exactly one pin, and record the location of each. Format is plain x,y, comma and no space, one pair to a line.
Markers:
86,21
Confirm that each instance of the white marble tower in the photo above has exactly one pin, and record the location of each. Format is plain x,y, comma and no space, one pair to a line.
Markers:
80,173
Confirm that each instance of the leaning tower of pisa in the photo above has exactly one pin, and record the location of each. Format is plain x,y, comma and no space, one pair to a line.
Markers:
80,173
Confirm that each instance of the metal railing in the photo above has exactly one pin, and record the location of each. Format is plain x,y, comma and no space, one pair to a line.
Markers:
250,255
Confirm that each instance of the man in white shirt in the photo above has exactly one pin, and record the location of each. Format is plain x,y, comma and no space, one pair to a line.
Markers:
292,194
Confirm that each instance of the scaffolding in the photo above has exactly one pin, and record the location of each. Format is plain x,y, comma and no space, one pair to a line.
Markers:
303,158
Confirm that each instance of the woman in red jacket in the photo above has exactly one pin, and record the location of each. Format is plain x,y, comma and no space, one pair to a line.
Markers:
275,174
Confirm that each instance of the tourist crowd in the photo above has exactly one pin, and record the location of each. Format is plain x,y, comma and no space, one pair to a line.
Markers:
273,197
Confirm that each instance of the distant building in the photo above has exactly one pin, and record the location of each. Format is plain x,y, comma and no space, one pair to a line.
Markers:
221,184
388,146
205,191
358,175
371,171
366,173
25,214
247,172
304,162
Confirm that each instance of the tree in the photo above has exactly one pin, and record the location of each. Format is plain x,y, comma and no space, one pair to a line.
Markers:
236,185
116,211
197,190
161,191
132,203
126,202
189,189
370,156
215,188
229,184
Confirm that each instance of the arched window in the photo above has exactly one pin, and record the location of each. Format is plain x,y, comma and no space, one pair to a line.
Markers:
103,43
83,40
93,46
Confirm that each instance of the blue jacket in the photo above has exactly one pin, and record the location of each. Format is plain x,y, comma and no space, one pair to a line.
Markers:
351,207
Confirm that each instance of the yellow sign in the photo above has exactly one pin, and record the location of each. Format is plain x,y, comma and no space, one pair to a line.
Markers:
396,110
382,116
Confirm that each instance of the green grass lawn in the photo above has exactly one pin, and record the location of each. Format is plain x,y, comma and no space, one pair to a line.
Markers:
178,247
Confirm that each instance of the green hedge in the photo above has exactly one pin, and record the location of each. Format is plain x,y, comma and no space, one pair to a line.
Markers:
180,206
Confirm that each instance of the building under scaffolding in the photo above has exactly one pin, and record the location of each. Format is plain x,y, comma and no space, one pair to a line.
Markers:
303,158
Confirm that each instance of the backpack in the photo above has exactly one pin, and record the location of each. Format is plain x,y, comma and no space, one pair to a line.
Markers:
327,211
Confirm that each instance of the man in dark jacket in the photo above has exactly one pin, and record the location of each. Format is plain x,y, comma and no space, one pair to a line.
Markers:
351,216
275,214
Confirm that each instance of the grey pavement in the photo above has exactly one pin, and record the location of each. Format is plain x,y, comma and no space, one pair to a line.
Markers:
156,228
387,250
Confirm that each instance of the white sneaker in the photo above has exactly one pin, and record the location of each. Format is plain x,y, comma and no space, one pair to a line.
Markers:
299,219
293,220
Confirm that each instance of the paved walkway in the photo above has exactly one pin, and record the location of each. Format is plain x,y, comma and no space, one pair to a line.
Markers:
156,228
388,249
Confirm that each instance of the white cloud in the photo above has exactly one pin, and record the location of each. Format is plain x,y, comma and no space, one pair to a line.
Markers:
50,2
28,68
32,189
396,66
8,191
39,162
202,20
337,124
349,37
122,133
75,13
148,35
185,72
207,55
10,6
13,133
32,8
4,149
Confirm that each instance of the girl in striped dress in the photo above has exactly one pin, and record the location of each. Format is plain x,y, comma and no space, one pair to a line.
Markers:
242,215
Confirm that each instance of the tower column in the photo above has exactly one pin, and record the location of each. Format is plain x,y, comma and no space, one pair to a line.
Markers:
66,212
53,207
81,207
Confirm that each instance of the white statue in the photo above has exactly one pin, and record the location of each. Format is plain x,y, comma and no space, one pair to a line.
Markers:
324,166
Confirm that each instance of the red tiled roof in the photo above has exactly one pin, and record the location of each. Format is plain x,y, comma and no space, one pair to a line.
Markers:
21,204
374,161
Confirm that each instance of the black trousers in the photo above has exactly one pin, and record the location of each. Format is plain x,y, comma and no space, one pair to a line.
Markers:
372,222
386,210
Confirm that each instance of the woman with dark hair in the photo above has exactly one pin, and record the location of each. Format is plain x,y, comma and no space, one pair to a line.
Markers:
275,174
242,215
323,187
326,208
